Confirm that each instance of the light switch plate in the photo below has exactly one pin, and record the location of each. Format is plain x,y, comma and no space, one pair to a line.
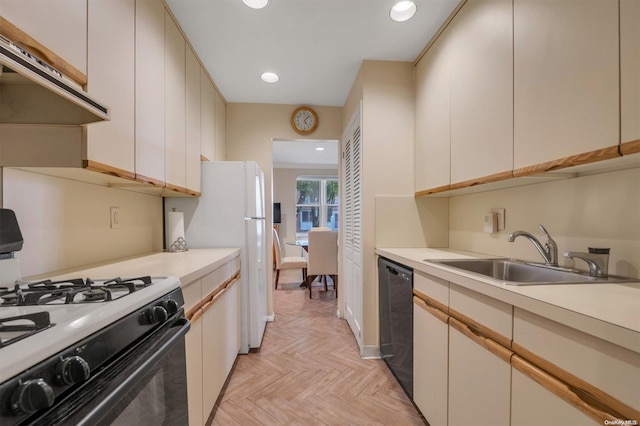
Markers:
115,217
490,223
500,218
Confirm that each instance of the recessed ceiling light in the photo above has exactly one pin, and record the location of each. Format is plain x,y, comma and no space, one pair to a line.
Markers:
320,148
256,4
270,77
403,11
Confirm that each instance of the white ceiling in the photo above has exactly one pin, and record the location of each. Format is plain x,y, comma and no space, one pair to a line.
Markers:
315,46
303,155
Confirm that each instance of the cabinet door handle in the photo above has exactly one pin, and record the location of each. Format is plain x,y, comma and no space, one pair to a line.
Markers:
570,394
476,335
442,316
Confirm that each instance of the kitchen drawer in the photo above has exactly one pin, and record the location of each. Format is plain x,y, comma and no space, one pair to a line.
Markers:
492,317
436,288
582,360
213,280
192,294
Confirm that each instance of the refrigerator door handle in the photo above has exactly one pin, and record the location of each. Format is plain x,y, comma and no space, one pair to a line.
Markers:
254,218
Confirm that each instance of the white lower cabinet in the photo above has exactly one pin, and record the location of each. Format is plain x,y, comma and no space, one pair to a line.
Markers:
212,304
212,379
192,293
479,383
480,361
534,405
430,362
193,345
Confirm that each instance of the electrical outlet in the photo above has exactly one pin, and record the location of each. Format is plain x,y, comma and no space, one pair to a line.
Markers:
115,217
501,221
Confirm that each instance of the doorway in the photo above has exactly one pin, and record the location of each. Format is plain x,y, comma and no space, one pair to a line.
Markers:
304,205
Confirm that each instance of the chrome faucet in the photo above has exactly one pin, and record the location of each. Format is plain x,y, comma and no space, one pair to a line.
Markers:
550,250
597,259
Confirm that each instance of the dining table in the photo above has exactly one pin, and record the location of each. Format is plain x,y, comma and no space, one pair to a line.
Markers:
300,243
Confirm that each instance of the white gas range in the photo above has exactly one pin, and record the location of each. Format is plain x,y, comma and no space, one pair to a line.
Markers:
109,338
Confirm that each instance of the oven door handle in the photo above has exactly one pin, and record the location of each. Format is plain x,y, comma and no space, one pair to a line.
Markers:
179,330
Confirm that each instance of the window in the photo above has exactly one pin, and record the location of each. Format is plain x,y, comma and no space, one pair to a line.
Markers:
317,204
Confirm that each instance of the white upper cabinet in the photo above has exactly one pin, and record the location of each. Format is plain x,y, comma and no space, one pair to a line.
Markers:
481,90
566,89
433,117
149,92
221,128
630,69
60,26
192,113
174,103
207,117
111,52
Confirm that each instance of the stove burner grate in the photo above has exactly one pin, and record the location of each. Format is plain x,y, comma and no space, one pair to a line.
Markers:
67,291
16,327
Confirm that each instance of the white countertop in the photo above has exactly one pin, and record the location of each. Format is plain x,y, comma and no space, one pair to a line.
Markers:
187,266
608,311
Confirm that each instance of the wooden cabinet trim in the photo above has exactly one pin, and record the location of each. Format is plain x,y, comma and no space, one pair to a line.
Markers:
195,316
431,301
628,148
482,180
108,170
435,190
573,160
151,181
574,396
34,47
206,302
442,316
576,383
476,335
486,331
176,188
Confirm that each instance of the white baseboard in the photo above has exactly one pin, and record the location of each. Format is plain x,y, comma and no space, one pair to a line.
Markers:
271,318
370,352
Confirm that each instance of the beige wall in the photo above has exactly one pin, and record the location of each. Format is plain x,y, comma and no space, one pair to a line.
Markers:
406,221
65,224
251,129
591,211
284,192
386,90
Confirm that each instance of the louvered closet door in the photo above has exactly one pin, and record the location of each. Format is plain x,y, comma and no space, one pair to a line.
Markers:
352,236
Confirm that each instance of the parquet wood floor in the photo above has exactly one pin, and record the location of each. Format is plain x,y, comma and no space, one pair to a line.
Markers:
309,372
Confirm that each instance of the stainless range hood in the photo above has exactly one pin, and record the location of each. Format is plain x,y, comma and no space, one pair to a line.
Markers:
32,92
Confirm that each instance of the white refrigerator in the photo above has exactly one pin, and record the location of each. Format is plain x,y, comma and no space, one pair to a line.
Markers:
231,213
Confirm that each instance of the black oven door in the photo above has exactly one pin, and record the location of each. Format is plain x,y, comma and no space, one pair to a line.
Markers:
146,385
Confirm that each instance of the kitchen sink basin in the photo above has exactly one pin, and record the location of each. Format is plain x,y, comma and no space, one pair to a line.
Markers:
515,272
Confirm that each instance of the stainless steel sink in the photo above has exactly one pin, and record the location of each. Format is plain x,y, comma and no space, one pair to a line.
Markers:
514,272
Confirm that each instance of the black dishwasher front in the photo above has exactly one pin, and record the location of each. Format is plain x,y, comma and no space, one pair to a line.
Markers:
395,286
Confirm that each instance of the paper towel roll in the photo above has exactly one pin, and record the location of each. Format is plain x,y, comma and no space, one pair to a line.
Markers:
175,232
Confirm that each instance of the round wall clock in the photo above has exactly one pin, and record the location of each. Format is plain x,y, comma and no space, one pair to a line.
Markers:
304,120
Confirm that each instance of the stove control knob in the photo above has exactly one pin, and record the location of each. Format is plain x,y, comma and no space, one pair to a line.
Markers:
32,395
172,307
73,370
157,314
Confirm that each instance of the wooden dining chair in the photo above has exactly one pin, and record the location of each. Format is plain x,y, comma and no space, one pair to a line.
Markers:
287,262
323,257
